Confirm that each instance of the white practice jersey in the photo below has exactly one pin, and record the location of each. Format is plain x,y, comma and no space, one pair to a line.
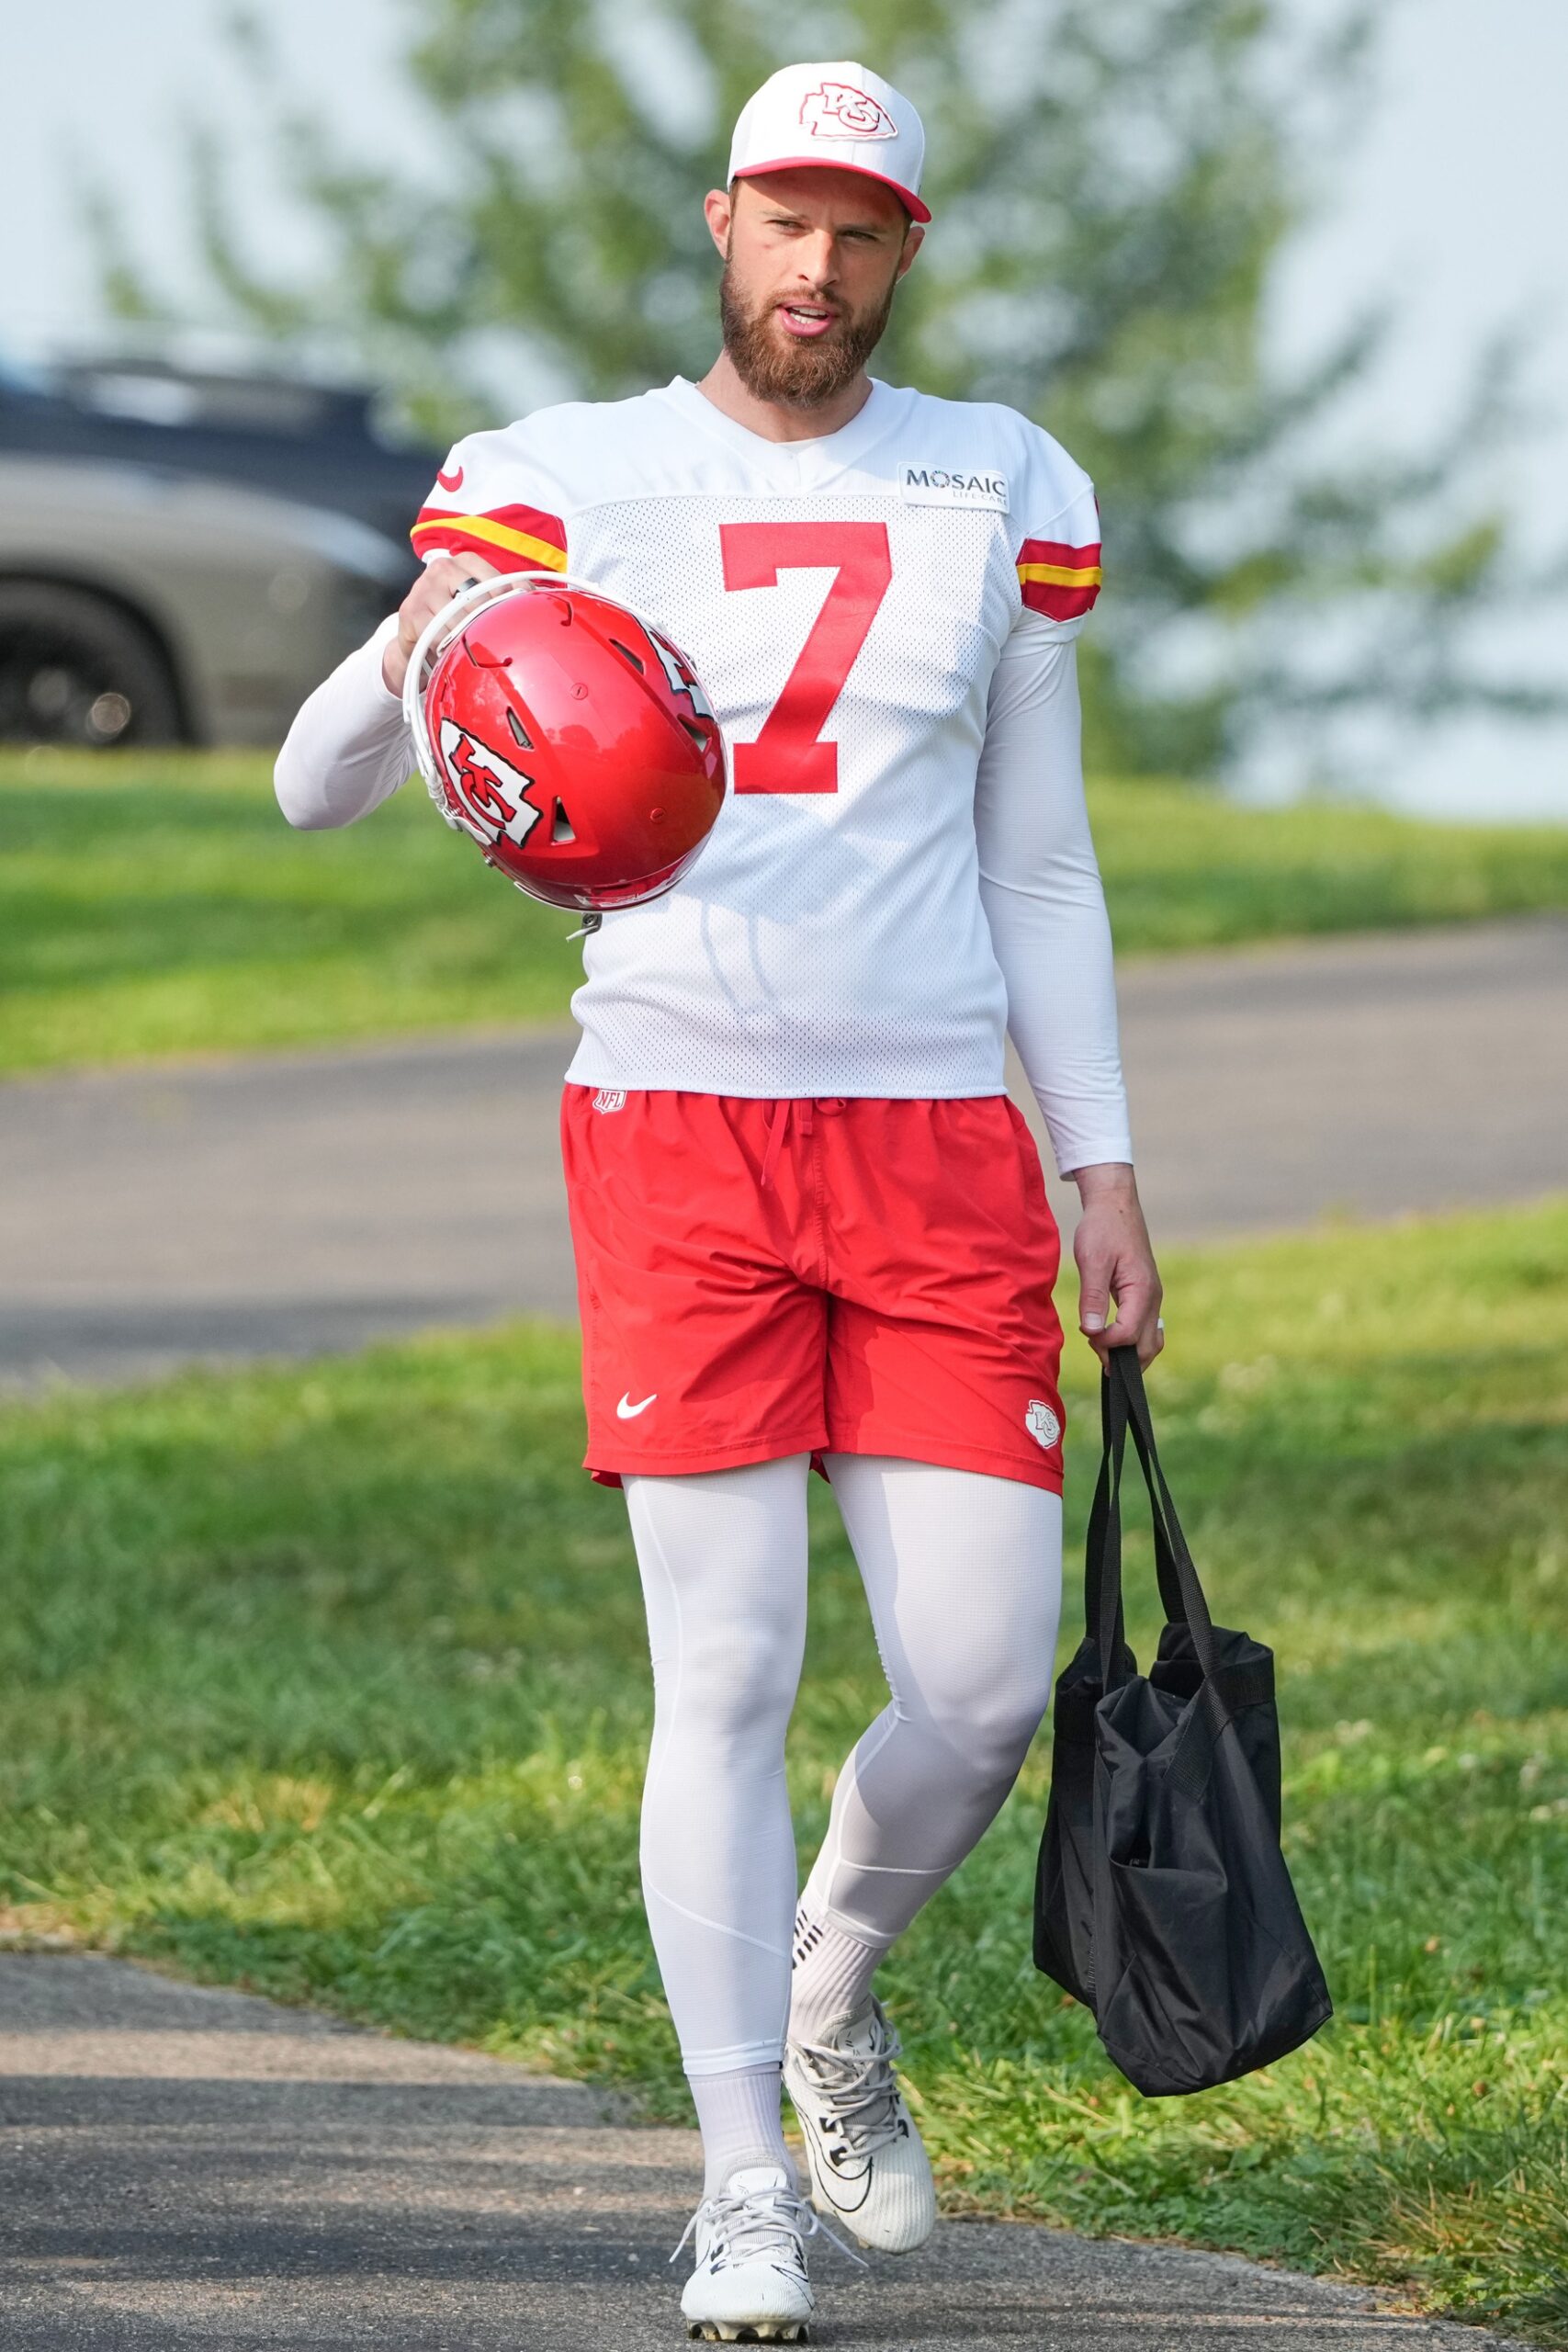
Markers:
845,603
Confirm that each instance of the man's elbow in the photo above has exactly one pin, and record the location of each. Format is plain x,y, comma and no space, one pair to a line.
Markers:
301,800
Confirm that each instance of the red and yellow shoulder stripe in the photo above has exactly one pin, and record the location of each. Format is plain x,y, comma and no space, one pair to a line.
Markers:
1056,580
516,538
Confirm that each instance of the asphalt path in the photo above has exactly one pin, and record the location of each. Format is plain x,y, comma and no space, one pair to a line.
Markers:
182,2167
292,1203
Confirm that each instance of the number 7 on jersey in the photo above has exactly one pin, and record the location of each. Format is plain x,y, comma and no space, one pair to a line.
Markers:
789,754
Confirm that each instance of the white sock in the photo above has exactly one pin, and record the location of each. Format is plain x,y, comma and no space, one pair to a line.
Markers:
829,1983
738,2114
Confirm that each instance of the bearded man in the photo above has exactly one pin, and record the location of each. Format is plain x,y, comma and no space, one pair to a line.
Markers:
809,1225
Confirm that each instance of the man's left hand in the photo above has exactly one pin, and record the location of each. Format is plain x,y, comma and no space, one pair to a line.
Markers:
1116,1260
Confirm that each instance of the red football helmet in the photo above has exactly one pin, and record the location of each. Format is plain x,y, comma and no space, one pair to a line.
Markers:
568,737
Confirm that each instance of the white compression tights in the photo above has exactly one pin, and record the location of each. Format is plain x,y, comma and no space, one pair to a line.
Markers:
963,1573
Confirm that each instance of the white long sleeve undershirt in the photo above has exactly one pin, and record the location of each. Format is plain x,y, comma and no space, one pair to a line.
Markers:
348,749
1044,904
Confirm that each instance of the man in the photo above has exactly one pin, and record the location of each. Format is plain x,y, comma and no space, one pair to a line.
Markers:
808,1222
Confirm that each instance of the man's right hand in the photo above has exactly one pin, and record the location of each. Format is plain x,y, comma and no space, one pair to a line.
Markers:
441,580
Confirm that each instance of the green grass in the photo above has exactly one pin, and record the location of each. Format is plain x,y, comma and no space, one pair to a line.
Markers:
332,1681
158,905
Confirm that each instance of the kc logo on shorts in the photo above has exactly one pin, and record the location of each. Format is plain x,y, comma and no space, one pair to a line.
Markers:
1042,1423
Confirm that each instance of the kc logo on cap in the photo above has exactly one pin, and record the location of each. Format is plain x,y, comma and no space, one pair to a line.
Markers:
843,112
829,116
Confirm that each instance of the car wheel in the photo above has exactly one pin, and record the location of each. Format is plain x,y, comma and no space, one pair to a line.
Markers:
75,671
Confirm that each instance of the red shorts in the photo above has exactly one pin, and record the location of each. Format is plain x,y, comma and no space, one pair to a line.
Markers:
853,1276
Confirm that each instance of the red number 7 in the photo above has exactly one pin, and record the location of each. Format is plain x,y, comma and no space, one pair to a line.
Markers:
787,756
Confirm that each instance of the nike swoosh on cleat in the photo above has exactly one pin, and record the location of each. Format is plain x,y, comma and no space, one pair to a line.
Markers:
627,1411
450,481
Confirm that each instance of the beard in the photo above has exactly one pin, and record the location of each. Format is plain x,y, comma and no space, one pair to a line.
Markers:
774,367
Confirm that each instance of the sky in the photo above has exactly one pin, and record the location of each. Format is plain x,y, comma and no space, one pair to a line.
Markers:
1453,199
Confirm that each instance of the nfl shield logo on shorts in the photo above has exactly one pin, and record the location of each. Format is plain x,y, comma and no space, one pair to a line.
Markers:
609,1097
1042,1423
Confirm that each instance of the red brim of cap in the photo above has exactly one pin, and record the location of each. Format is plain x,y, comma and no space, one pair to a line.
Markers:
912,203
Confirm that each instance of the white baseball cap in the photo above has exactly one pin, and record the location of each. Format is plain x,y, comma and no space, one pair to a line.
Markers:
843,115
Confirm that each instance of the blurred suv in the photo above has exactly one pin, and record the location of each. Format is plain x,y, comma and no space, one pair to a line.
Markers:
182,558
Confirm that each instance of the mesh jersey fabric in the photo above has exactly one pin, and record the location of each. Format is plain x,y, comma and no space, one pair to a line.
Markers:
849,595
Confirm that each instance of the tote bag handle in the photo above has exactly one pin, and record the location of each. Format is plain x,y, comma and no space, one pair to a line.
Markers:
1124,1404
1164,1560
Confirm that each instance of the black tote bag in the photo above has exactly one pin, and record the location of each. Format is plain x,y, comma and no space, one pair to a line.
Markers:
1162,1900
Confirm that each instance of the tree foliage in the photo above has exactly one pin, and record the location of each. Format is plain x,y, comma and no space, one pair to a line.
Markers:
1111,181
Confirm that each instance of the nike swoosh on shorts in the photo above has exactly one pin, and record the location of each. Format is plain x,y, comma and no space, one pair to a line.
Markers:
627,1411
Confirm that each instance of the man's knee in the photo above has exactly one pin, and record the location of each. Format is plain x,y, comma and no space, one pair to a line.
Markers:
988,1721
733,1685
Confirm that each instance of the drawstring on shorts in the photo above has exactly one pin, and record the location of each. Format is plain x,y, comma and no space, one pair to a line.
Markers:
802,1106
778,1127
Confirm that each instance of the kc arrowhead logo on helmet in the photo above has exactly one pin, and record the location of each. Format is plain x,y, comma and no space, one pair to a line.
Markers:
482,781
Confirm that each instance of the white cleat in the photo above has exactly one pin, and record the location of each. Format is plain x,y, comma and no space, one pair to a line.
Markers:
749,2284
869,2169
